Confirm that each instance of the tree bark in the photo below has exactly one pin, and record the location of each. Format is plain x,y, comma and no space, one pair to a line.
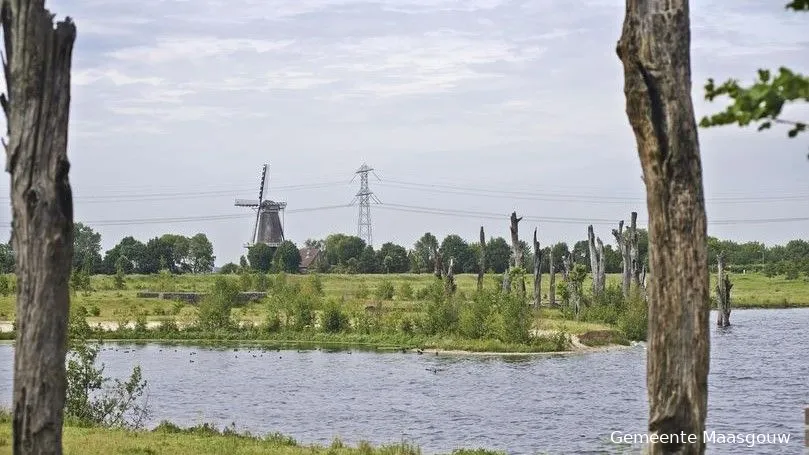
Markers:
516,254
723,286
37,64
482,263
438,264
655,51
537,271
552,280
449,283
602,266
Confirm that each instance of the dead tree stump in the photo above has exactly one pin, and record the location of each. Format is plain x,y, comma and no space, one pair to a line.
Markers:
438,264
37,65
552,279
597,266
537,271
655,51
634,252
482,263
449,280
516,254
723,286
622,238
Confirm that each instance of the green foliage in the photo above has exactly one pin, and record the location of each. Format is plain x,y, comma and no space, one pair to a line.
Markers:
362,291
315,284
764,100
7,258
287,258
245,281
120,275
92,398
260,256
80,281
229,268
384,291
405,291
215,308
261,282
474,316
393,258
5,285
334,319
441,311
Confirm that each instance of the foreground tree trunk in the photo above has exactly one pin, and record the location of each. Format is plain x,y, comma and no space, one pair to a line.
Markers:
655,51
37,69
537,271
723,286
482,263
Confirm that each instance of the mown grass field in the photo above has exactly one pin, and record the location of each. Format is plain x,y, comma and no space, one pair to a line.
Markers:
749,291
203,440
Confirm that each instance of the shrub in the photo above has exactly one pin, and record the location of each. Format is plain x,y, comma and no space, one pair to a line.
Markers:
272,323
405,291
634,321
384,290
315,284
474,315
517,319
94,311
262,282
229,268
362,291
5,286
168,326
245,281
441,313
334,319
214,310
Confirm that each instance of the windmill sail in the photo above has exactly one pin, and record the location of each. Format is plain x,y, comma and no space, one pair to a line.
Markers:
268,227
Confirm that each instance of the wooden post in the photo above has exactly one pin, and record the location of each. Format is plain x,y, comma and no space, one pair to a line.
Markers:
537,271
552,283
37,65
482,263
655,51
723,286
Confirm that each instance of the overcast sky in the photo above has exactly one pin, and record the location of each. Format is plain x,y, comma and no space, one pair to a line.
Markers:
483,106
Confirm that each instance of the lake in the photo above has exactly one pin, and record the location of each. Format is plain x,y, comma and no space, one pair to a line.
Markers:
548,404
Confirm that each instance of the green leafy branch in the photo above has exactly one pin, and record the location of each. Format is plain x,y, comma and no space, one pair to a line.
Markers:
761,102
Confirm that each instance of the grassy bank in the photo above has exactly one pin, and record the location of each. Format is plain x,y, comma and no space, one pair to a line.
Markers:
356,292
168,439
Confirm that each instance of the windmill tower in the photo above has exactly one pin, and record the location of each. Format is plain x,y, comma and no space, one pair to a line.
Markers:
268,228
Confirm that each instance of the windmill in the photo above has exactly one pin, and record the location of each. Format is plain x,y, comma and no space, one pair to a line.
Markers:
268,227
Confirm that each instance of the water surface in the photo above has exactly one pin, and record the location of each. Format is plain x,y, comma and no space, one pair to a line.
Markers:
546,404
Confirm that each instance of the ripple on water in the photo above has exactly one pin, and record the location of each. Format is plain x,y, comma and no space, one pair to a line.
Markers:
553,404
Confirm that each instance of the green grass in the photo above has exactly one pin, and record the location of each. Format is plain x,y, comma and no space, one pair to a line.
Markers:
168,439
749,291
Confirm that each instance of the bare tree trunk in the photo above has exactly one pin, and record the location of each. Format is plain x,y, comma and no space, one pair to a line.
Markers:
516,254
567,267
723,286
602,266
634,251
596,261
622,238
552,283
482,264
655,51
537,271
438,264
449,283
37,64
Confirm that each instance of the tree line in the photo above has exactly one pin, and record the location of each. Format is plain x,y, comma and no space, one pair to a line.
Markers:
342,253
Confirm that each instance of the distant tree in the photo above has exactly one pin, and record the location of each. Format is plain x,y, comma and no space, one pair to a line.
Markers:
132,250
229,268
581,253
287,258
498,254
421,260
453,246
612,259
313,243
179,245
368,261
260,256
393,258
340,248
86,247
200,254
6,258
243,262
560,250
158,255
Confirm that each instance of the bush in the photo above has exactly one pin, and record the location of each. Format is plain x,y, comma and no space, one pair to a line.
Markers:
441,312
273,323
229,268
5,286
517,319
94,311
634,321
384,291
405,291
214,310
262,282
474,315
334,320
362,291
315,284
